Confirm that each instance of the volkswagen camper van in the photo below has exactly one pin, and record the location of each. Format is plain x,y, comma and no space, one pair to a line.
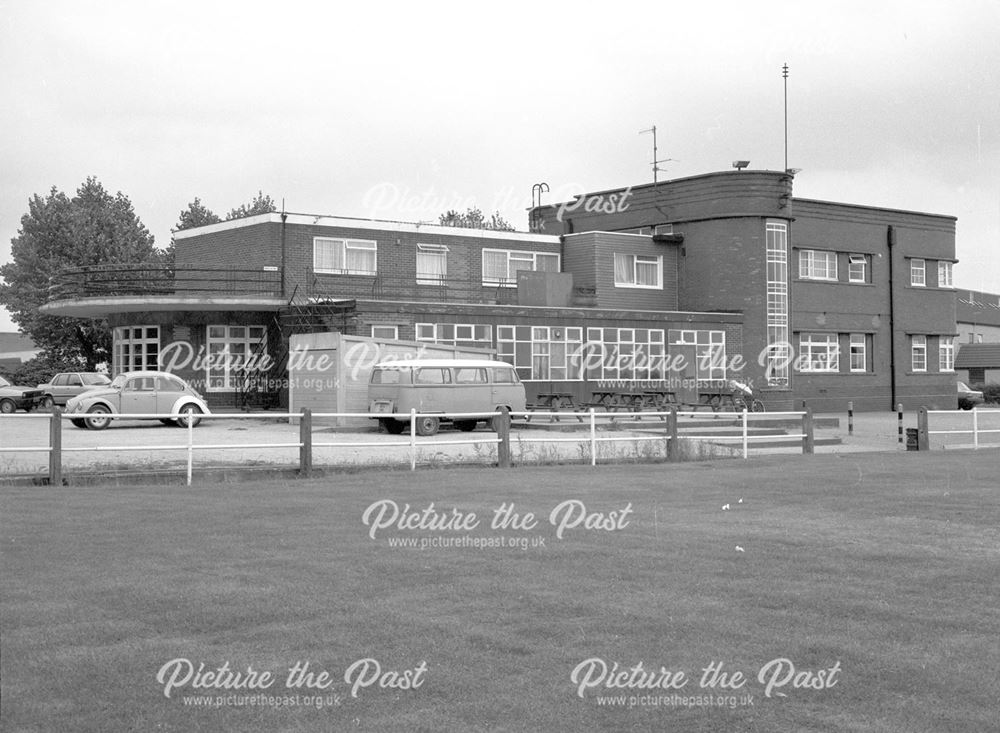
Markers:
437,387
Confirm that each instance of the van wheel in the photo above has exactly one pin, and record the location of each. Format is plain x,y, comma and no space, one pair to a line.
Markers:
466,426
393,427
427,425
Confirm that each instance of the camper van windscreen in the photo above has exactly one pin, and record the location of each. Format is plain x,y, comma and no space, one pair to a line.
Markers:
385,376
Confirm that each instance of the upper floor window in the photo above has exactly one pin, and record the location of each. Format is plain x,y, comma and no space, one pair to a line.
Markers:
918,273
944,275
500,266
857,268
432,264
638,271
345,256
817,265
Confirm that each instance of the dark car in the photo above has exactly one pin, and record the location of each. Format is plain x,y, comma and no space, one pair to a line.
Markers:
968,398
69,384
13,398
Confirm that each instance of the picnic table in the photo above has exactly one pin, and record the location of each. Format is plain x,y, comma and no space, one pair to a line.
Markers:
716,399
553,402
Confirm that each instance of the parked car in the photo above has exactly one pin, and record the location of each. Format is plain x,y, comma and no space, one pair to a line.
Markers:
968,398
443,386
14,398
69,384
138,393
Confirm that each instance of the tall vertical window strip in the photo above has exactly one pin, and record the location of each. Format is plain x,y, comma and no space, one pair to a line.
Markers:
136,348
918,273
233,352
946,354
944,275
918,353
777,304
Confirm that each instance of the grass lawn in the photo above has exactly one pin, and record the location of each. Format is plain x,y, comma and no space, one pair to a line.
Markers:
875,575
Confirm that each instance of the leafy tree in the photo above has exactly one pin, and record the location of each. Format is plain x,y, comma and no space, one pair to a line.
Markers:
262,204
196,215
474,218
40,369
58,232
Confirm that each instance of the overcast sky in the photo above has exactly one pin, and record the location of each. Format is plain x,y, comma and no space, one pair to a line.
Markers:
404,110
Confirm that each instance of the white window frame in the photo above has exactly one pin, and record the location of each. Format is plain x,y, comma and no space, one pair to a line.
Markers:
710,351
143,346
918,273
542,353
810,265
946,353
945,271
854,261
858,352
630,269
517,256
478,335
819,353
341,249
228,367
432,253
918,353
391,329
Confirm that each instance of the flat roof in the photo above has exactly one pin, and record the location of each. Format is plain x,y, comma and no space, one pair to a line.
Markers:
385,225
99,307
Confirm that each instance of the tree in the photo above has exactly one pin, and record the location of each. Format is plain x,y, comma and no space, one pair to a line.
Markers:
92,228
474,219
196,215
261,204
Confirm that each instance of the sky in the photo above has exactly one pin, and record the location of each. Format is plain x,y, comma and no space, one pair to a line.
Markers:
404,110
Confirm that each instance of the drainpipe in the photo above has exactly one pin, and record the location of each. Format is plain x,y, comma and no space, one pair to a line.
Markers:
284,257
890,242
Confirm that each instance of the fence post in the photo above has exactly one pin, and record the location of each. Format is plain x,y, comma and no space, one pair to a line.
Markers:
503,434
850,418
923,437
746,437
899,421
413,439
674,446
808,438
190,446
593,437
305,443
55,447
975,428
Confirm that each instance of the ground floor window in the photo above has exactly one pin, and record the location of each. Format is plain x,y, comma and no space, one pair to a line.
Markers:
232,351
918,353
390,333
542,353
946,353
475,335
135,348
625,353
859,346
818,352
709,353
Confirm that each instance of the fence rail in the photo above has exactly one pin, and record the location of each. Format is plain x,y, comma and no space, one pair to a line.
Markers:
671,435
975,430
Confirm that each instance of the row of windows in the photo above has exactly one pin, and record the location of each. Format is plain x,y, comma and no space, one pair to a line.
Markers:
499,266
918,353
820,352
824,265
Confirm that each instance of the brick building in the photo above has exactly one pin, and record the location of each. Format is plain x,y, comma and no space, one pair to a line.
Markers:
809,300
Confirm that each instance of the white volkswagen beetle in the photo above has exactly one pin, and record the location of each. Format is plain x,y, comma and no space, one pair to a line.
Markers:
138,393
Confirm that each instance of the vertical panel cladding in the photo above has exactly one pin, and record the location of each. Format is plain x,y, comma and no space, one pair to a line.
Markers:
610,293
